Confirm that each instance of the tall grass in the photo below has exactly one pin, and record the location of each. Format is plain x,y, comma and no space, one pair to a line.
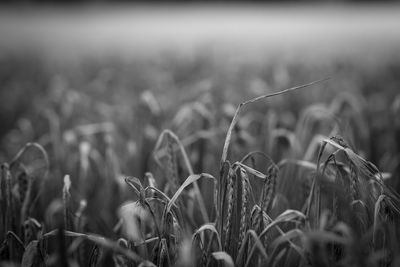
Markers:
275,197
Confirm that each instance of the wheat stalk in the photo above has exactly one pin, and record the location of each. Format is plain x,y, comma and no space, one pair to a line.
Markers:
269,189
245,204
230,198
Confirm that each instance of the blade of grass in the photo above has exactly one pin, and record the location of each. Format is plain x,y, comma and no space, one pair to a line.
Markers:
190,180
101,241
225,257
189,168
241,105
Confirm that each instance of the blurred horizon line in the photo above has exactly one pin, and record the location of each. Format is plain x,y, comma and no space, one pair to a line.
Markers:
139,28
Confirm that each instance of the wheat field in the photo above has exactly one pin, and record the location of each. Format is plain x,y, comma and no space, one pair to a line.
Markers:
200,161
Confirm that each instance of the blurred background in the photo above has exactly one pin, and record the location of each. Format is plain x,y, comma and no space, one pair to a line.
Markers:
96,83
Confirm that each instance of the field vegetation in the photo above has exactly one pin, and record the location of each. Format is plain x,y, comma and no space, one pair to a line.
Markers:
199,161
